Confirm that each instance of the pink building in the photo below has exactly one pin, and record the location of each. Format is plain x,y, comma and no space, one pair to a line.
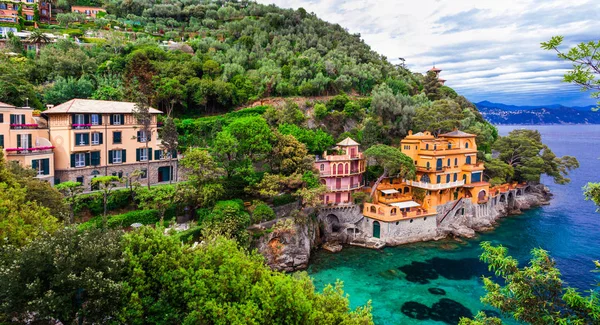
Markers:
341,170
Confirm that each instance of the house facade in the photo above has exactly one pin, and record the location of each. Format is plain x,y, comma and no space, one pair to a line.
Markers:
88,11
341,171
25,139
9,10
94,137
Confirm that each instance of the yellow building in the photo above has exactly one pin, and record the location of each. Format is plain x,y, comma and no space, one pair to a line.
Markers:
25,139
447,170
447,166
95,137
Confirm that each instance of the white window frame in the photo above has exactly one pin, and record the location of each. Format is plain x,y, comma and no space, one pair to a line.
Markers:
117,157
79,119
117,119
79,160
143,137
95,138
24,141
144,154
40,170
82,141
95,119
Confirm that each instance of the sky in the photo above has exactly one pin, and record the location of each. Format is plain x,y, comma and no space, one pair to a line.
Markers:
487,49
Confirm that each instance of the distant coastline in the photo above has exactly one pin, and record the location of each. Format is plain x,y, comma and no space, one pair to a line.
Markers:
502,114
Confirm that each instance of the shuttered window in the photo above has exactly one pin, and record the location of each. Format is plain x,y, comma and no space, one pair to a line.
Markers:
95,158
117,137
41,166
2,140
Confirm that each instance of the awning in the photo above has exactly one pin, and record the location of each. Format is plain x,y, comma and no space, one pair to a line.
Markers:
392,191
405,204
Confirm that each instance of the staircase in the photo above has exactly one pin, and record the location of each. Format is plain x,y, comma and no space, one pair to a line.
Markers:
452,210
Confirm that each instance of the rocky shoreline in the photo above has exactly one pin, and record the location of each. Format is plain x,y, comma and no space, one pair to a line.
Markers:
289,248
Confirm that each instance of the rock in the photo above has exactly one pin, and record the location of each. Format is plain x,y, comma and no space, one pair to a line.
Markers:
462,231
301,260
437,291
332,247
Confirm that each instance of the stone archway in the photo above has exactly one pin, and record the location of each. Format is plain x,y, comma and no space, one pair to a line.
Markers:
333,223
481,196
502,198
519,192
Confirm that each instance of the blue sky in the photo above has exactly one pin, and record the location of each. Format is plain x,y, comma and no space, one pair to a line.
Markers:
487,49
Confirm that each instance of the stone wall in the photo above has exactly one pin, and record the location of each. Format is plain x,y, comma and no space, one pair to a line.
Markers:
286,209
404,231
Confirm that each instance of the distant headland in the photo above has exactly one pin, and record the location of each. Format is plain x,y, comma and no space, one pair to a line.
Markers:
498,114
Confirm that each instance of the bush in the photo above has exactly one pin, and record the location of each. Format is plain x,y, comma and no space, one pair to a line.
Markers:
353,109
320,111
192,234
145,217
338,102
283,199
262,212
92,202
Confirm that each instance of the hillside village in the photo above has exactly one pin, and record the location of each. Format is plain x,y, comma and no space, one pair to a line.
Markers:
211,129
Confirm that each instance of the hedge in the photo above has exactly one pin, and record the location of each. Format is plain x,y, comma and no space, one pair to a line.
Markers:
145,217
283,199
118,199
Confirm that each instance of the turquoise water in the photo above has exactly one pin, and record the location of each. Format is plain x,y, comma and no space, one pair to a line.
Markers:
403,283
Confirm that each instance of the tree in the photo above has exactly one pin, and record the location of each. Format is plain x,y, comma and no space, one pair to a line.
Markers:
289,155
36,13
393,162
534,294
586,63
14,43
224,148
203,187
525,152
169,140
498,172
262,212
71,191
69,276
253,136
105,184
158,198
37,37
443,116
64,89
431,86
141,113
592,192
66,18
221,283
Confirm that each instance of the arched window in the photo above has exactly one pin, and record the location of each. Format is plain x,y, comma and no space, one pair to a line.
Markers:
468,162
406,190
455,177
427,146
340,169
373,209
447,178
428,165
467,144
347,168
322,167
455,161
449,145
393,212
448,162
439,179
435,147
464,177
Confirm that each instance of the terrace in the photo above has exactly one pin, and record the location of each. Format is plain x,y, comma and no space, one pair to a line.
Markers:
404,210
29,151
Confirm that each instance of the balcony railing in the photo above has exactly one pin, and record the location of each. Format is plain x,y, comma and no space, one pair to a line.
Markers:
351,172
81,126
344,187
395,198
24,126
441,186
390,213
27,151
340,157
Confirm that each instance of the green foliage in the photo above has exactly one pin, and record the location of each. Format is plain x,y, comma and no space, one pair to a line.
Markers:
221,284
443,116
534,294
66,276
289,156
525,152
262,212
316,141
431,86
145,217
283,199
337,103
585,57
498,172
92,202
158,198
592,192
66,89
320,111
393,162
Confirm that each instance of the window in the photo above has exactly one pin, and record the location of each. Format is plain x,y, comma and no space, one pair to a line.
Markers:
455,161
1,118
82,139
447,178
117,137
29,17
42,166
79,119
96,138
427,146
455,177
2,140
468,162
467,145
95,119
117,156
117,119
322,167
449,145
143,154
448,162
79,160
79,179
144,173
141,136
24,140
439,179
95,158
2,5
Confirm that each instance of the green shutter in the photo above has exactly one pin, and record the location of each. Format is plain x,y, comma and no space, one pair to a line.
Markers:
124,155
73,119
110,156
18,141
12,119
156,154
149,153
99,119
101,136
138,136
46,166
86,138
112,120
95,158
2,140
1,118
35,164
29,142
122,119
86,119
174,153
72,160
87,158
137,154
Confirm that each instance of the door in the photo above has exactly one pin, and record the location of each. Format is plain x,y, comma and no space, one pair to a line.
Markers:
438,164
376,229
338,183
338,197
164,174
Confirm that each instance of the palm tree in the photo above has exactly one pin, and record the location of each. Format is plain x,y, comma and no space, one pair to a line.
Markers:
37,37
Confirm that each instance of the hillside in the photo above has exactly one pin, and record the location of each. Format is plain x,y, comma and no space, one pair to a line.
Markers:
550,114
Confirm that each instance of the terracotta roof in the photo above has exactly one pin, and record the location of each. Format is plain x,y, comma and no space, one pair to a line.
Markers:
95,106
457,134
419,135
435,69
348,142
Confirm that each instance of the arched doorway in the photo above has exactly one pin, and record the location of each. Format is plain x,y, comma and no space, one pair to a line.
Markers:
481,196
333,223
376,229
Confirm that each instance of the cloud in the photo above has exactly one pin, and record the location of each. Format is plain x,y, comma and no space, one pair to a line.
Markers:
488,49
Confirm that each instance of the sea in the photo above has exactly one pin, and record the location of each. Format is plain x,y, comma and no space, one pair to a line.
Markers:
439,282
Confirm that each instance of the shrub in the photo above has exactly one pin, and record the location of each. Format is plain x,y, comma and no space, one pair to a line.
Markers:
262,212
283,199
145,217
92,202
192,234
338,102
320,111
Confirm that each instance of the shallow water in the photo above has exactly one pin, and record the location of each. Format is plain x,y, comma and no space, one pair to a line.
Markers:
403,283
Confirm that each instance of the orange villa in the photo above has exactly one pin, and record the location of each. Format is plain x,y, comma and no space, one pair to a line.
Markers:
88,11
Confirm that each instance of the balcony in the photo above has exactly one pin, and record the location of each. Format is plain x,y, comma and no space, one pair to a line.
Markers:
344,157
394,198
473,167
76,126
29,151
350,173
24,126
390,213
344,187
442,186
